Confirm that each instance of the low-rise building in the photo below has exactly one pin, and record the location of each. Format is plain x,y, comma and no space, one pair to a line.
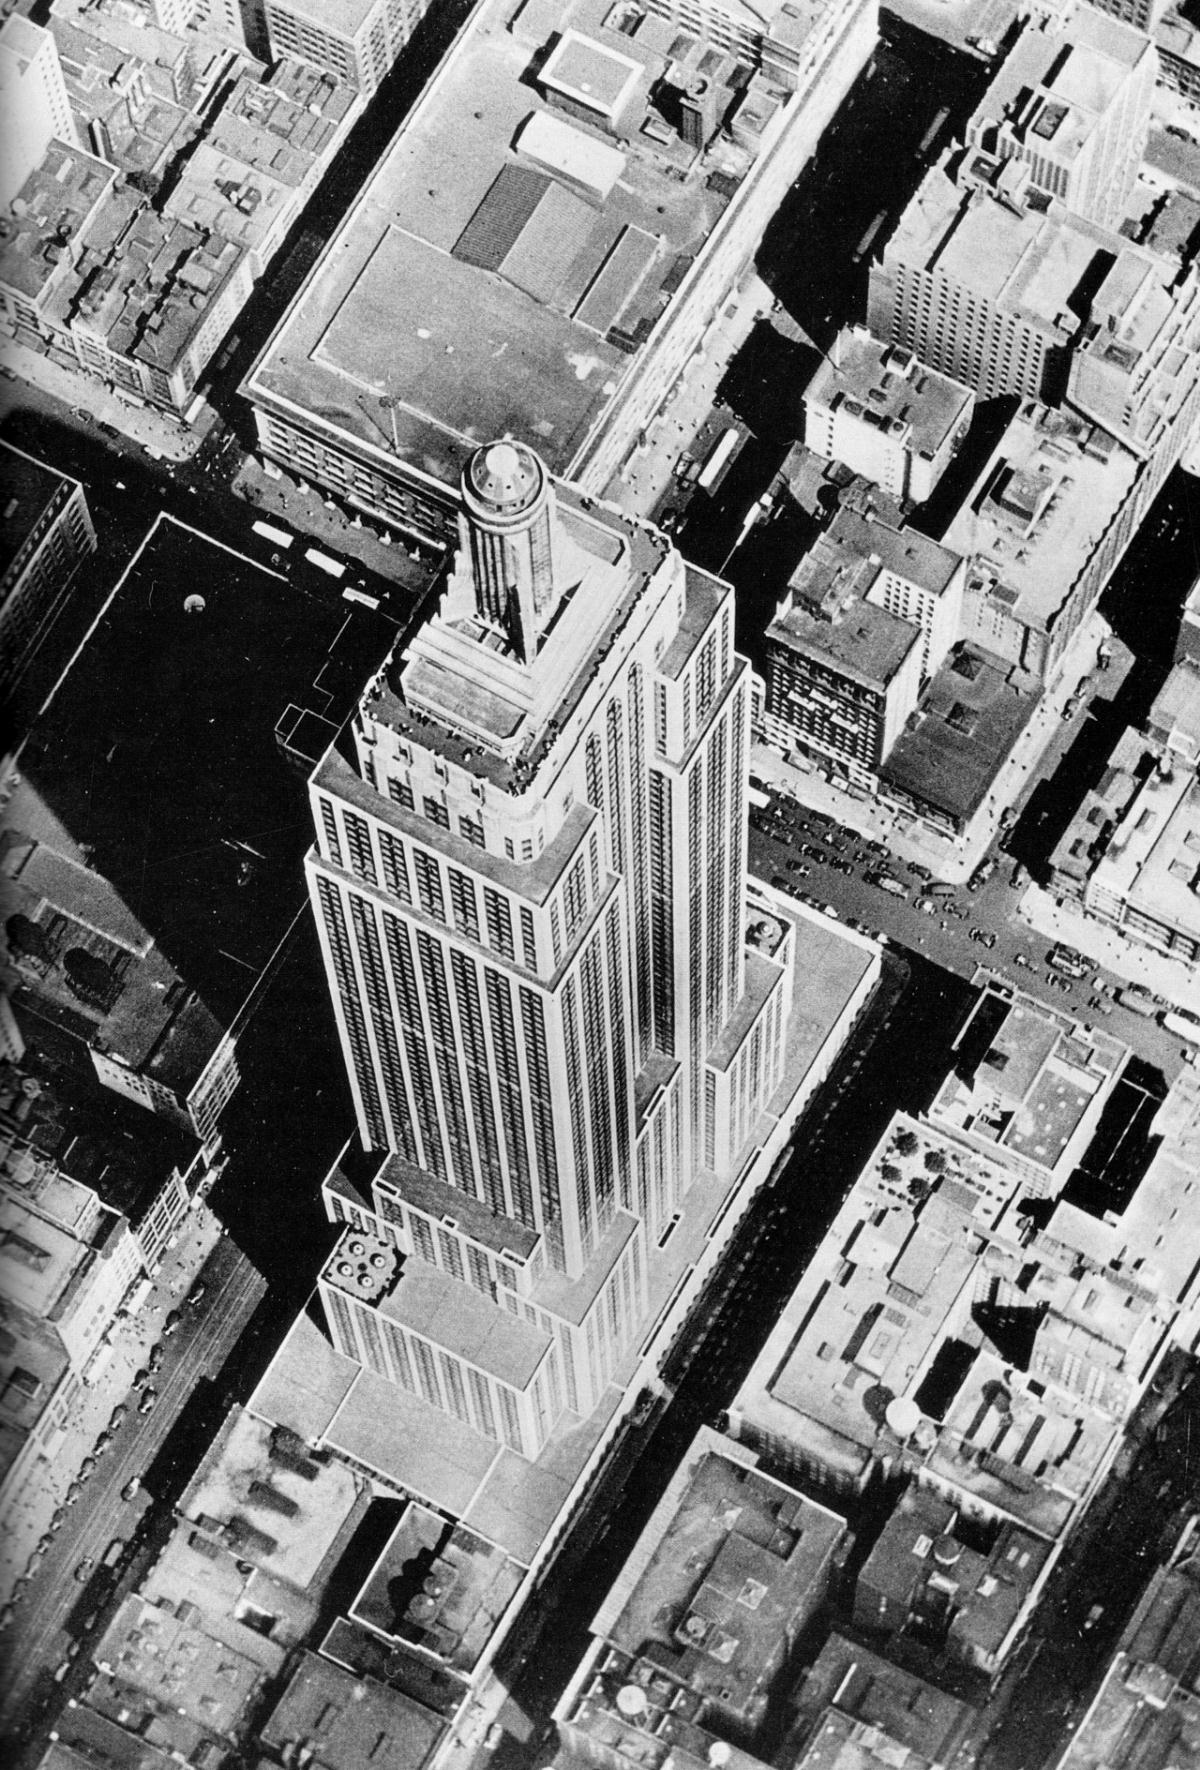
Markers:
867,1714
693,1647
886,415
342,1720
544,266
1147,1711
268,148
937,1332
45,535
870,613
1130,856
76,957
922,1581
1043,528
138,280
1030,1085
943,767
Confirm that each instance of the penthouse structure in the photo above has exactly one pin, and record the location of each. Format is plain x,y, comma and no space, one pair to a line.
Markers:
46,535
1130,856
590,219
871,612
885,414
1071,103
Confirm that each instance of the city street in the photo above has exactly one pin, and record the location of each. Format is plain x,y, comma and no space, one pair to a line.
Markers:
945,935
59,1607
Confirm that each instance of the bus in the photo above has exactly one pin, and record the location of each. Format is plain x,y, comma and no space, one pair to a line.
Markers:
719,458
277,537
1183,1025
323,563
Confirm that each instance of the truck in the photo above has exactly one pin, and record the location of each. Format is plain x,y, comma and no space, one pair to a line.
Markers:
1136,1000
885,882
1068,961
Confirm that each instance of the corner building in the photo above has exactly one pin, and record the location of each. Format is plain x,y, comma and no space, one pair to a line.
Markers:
529,886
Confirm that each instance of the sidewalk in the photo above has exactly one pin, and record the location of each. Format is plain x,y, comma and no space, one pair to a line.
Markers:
29,1511
952,860
316,517
149,428
639,485
1173,979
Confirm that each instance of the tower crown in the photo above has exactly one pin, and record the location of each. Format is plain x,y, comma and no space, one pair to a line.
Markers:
509,530
504,477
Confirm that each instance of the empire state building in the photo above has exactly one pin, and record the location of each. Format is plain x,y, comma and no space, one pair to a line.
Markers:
529,887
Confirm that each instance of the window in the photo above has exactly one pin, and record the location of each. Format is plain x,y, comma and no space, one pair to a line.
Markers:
464,904
472,829
499,922
436,812
429,885
402,793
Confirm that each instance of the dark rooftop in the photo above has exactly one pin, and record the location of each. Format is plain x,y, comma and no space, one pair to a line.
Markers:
967,722
158,751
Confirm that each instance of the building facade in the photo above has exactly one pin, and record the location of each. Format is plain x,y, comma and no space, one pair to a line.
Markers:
1071,104
356,42
529,887
34,107
47,534
882,412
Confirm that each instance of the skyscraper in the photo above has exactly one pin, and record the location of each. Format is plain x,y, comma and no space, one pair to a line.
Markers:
529,885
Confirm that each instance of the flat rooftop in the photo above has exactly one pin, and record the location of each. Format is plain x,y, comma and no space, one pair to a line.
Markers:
726,1572
1038,511
827,617
968,718
1058,85
190,750
295,1504
65,190
884,385
903,1241
849,1679
438,1587
1152,863
30,490
1025,1077
349,1722
559,241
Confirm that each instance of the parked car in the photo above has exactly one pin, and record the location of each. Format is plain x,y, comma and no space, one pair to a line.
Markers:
130,1488
147,1401
83,1568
